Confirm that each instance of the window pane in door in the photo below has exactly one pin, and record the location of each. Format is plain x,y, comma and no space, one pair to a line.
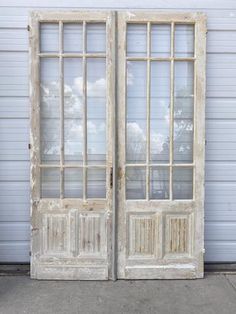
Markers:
73,182
183,112
96,111
136,112
136,40
73,110
50,183
96,183
135,183
159,183
184,40
160,112
49,37
160,40
182,183
49,111
73,37
96,37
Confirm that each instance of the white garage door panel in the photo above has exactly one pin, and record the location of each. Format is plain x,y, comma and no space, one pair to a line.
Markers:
14,212
21,231
221,108
15,252
220,251
220,171
217,231
14,107
14,192
222,192
214,212
14,171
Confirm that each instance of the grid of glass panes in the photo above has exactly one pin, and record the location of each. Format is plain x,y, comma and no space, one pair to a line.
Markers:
73,110
159,111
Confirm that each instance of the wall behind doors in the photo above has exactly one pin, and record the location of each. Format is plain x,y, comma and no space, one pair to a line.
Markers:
220,205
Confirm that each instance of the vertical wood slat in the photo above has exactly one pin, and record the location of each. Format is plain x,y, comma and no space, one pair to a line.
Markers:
148,113
61,95
171,109
84,114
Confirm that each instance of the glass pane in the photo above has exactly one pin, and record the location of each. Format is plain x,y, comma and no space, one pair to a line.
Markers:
184,40
96,111
49,111
160,111
73,110
183,112
136,112
135,183
160,40
159,183
49,37
73,37
136,39
50,183
73,183
182,183
96,37
96,183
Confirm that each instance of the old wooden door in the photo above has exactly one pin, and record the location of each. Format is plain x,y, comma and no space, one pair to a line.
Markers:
71,144
157,231
161,88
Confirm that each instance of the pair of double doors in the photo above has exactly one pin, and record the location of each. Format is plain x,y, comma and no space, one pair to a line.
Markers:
117,145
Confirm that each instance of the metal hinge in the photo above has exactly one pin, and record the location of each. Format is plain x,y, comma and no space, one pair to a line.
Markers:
29,146
111,177
28,28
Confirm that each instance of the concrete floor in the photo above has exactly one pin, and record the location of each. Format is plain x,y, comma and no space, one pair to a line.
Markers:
212,295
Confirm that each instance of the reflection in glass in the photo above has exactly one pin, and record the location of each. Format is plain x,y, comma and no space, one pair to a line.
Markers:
73,183
160,111
182,183
184,40
49,111
136,112
135,183
159,183
183,112
49,37
50,183
73,37
96,111
96,37
160,40
96,183
73,110
136,39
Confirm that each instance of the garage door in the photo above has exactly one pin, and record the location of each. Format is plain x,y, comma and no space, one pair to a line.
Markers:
220,186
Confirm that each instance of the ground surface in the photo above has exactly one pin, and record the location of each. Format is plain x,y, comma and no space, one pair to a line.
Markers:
212,295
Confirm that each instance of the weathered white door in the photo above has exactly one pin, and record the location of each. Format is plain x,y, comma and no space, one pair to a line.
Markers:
71,144
161,86
160,131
